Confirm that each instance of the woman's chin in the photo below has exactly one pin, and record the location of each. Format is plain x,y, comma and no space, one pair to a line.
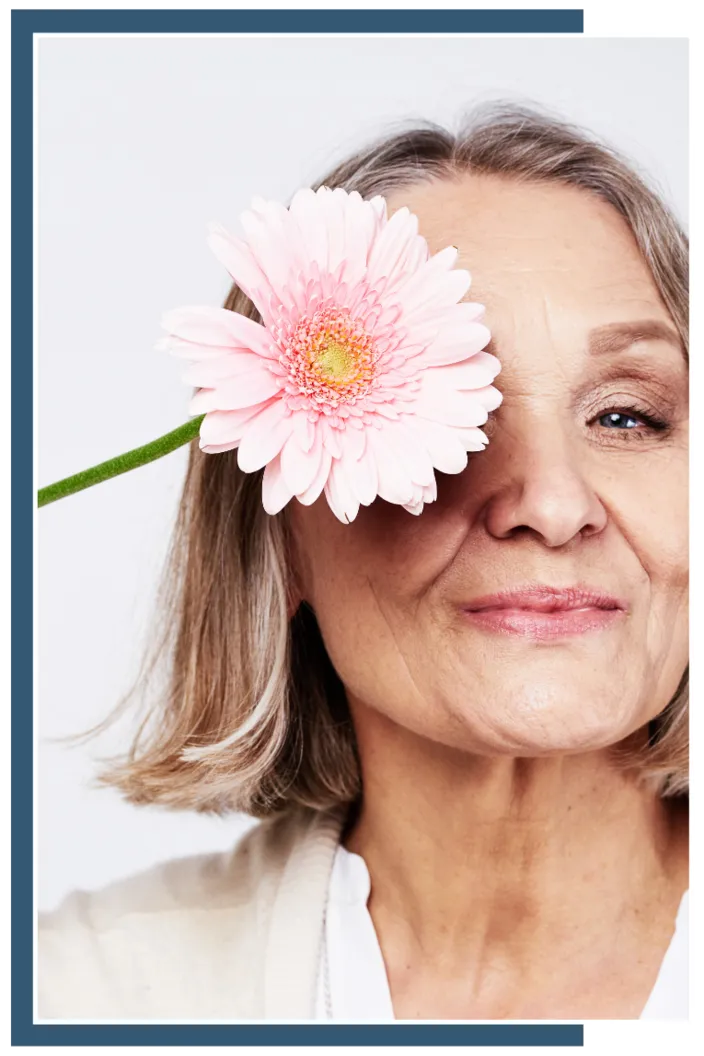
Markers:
568,726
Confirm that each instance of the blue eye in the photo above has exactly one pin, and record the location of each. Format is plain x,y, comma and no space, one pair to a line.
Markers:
619,420
627,420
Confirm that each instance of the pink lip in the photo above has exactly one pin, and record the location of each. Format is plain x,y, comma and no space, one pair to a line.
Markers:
544,613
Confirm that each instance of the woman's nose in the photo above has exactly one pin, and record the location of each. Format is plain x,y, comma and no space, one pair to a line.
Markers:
542,487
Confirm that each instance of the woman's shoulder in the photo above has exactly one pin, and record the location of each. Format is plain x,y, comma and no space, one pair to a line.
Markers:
216,879
129,949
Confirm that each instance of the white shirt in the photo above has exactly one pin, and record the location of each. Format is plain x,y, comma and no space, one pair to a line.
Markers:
352,984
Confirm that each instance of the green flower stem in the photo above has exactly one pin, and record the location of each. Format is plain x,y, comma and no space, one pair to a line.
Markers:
139,456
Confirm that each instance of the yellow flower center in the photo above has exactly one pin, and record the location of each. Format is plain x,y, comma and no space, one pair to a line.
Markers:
335,360
331,357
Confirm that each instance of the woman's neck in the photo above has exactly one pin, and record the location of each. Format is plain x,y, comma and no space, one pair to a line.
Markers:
504,858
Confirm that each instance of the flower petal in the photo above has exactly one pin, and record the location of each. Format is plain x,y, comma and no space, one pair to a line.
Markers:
300,467
360,230
394,483
417,283
275,491
444,446
421,496
460,409
416,508
341,499
219,326
456,343
394,243
217,449
235,393
378,204
442,288
308,497
476,372
361,474
331,437
237,258
220,428
352,442
452,322
472,439
430,493
333,207
199,352
274,243
264,437
208,373
304,430
409,451
306,213
489,397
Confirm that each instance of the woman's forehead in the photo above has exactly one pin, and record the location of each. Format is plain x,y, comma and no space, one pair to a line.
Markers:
529,243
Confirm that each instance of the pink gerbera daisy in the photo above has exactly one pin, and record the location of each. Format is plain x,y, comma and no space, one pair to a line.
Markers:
366,373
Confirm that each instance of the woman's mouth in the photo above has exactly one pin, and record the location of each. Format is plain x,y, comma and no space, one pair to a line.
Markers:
545,613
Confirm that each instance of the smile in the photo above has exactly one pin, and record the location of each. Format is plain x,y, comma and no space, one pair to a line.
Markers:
545,613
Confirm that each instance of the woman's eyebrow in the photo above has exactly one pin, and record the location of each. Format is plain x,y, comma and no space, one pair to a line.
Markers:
616,337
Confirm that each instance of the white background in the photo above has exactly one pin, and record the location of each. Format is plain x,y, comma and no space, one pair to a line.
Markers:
141,142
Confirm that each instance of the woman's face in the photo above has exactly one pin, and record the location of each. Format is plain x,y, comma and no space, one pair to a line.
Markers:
575,488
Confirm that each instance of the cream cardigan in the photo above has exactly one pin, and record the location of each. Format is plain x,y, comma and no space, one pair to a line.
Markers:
231,936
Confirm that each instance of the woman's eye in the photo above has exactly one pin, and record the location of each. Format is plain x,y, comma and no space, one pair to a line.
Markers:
618,420
631,421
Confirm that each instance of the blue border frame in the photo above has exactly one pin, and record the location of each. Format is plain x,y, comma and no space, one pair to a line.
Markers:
24,25
564,20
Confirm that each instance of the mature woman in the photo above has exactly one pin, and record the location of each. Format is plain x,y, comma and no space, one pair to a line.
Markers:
465,731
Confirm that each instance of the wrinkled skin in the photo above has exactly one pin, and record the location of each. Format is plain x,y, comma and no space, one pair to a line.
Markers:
557,497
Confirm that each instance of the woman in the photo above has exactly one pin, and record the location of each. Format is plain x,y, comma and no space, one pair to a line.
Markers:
466,731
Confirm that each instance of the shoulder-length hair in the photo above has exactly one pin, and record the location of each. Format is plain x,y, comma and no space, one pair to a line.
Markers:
251,715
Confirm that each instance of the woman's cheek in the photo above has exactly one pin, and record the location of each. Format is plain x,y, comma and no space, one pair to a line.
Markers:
649,503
